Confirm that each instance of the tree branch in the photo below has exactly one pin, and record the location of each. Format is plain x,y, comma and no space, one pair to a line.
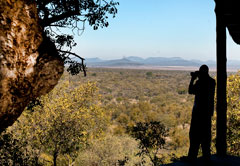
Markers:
71,53
68,52
48,21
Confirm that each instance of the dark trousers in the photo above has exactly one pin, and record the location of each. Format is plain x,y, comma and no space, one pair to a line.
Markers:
200,134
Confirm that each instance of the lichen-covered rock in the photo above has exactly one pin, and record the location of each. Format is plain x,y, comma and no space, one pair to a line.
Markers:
29,62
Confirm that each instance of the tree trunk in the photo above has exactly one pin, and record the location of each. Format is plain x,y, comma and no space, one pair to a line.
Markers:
55,154
29,62
221,144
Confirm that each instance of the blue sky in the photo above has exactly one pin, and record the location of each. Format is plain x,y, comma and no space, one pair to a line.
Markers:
151,28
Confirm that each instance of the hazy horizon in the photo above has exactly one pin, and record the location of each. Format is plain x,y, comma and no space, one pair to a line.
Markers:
157,28
145,57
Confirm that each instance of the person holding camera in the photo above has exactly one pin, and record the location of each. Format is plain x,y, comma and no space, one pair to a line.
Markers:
203,87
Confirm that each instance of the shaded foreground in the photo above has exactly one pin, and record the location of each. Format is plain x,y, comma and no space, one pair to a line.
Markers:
215,161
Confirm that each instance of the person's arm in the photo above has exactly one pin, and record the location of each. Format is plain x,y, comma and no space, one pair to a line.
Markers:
192,88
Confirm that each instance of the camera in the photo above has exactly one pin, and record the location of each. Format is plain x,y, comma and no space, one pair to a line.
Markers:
195,74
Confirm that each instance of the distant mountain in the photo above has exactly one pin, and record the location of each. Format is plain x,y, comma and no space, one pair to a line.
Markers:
116,62
210,63
154,61
120,62
235,63
93,60
175,61
135,59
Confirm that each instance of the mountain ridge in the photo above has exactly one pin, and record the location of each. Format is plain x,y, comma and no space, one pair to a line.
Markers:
154,61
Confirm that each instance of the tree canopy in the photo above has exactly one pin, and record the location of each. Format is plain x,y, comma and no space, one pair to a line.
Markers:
34,47
73,14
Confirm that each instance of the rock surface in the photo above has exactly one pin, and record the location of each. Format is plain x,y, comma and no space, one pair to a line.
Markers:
29,62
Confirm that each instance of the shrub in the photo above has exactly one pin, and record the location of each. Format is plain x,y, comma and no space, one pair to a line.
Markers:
152,137
149,74
111,150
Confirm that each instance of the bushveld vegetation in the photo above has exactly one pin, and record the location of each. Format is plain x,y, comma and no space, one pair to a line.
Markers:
112,117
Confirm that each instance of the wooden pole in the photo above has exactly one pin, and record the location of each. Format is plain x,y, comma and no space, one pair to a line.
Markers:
221,144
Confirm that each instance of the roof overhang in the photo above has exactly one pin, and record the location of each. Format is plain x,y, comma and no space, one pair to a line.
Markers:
230,12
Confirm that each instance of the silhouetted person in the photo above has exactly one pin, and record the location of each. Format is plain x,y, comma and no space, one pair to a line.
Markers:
200,130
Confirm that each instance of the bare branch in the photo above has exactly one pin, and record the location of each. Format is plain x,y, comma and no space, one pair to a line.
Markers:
68,52
82,59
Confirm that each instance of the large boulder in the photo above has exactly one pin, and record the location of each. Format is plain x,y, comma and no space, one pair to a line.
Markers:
29,62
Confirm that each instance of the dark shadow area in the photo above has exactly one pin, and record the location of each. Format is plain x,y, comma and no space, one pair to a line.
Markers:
200,130
215,161
203,87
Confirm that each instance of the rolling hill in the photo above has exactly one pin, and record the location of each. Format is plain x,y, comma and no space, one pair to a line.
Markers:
134,61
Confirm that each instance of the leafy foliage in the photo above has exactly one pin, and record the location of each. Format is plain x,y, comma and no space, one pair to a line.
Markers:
69,12
152,137
110,150
233,114
109,101
55,15
149,74
65,120
14,152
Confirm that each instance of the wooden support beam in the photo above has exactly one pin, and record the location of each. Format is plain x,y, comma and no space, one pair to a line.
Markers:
221,144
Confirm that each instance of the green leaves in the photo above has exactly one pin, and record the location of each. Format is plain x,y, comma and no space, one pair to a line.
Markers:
67,119
152,137
56,15
14,151
233,114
